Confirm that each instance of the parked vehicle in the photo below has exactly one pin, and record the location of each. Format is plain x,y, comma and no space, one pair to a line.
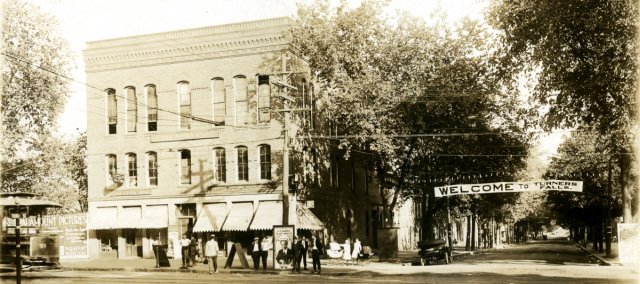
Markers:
434,251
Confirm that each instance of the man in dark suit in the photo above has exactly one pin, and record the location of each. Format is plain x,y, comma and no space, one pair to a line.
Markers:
256,253
296,249
316,252
305,250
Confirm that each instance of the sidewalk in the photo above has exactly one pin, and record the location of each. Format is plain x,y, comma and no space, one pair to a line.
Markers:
612,260
329,267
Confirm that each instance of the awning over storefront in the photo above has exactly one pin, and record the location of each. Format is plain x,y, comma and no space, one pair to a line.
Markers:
239,217
211,218
103,218
269,213
130,217
307,220
154,217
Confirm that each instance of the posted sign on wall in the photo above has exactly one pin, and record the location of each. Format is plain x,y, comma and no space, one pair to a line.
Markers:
505,187
71,230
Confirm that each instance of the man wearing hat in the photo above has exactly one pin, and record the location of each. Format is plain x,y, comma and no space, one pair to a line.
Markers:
256,252
297,250
211,251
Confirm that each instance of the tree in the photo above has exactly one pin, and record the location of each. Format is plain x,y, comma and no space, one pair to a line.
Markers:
585,156
585,53
583,57
417,99
35,70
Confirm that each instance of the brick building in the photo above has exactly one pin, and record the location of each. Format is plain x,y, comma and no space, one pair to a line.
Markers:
185,136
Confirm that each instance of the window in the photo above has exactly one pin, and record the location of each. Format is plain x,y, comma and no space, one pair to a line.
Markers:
152,108
265,162
220,163
264,99
240,95
132,109
185,104
152,158
243,164
219,107
112,111
132,170
112,166
185,167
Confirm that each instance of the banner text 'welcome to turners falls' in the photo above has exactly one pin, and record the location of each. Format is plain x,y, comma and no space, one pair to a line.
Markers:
502,187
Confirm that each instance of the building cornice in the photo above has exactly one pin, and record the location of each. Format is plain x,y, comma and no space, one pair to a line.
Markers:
206,43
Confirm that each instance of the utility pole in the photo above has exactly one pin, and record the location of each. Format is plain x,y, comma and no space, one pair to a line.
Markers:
449,231
607,219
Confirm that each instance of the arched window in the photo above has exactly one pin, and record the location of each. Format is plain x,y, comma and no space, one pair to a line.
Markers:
219,106
132,108
240,95
265,161
185,167
220,164
112,168
243,163
152,108
264,99
132,170
112,111
152,158
184,93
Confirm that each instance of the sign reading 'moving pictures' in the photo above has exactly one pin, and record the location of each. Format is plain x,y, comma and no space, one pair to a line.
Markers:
71,230
504,187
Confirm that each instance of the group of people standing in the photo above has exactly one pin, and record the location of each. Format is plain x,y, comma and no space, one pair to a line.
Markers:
191,250
296,255
350,255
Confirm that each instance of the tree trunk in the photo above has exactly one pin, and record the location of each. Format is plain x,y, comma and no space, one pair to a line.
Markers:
467,245
473,231
624,162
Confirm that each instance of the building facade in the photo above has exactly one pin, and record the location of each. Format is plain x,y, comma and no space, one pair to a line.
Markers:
186,135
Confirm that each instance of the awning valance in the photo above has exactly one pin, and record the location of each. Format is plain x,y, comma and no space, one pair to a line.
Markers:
155,216
103,218
269,213
211,217
307,220
239,217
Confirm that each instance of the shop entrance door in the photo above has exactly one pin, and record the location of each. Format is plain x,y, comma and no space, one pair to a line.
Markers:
130,242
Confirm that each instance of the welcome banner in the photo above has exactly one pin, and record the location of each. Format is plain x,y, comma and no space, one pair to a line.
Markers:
503,187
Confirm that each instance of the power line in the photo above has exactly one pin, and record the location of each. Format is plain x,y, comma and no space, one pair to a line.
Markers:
101,90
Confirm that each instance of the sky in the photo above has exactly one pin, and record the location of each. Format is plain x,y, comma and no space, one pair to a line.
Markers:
82,21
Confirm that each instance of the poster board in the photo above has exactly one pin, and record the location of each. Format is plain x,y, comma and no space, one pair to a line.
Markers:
282,236
71,230
161,256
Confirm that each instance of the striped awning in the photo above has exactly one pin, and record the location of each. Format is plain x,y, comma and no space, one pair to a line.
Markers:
269,213
239,217
155,216
307,220
129,217
211,218
103,218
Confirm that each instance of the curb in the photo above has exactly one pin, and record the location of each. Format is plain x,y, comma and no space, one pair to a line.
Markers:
601,260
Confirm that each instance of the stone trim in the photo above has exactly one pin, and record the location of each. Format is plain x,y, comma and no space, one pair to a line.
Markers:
189,45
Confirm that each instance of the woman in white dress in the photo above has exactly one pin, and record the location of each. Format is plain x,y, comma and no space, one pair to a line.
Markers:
346,254
357,249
